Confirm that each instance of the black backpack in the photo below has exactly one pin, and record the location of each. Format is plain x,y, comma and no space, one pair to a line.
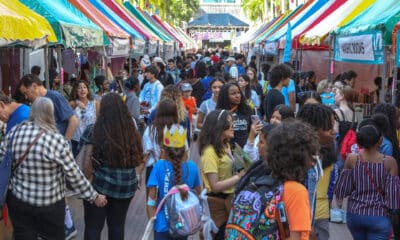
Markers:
345,126
257,209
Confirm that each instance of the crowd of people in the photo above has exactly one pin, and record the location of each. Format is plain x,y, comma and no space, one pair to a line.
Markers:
301,132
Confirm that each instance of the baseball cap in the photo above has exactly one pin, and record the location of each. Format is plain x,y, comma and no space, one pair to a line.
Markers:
160,60
230,59
186,87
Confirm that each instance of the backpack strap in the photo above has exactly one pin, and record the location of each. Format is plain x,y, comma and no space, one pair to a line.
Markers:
342,113
173,191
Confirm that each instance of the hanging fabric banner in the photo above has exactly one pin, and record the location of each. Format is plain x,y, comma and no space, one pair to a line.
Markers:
398,49
288,44
366,48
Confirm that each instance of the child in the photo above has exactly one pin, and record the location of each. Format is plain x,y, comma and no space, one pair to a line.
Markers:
188,100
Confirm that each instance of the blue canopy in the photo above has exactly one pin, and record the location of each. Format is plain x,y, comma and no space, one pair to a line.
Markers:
218,19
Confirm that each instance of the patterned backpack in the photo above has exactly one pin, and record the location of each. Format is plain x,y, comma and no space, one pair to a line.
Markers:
257,210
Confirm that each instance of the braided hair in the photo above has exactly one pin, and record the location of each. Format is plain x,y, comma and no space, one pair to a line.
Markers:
317,115
177,156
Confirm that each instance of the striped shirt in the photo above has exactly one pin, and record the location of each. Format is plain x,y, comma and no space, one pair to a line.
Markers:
40,179
364,197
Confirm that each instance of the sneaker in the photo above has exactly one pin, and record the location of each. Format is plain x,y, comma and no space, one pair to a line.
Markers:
70,233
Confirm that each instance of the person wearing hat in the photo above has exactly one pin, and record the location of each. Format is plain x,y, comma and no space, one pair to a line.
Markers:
164,77
233,70
188,100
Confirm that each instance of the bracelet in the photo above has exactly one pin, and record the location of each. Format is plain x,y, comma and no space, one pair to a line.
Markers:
151,202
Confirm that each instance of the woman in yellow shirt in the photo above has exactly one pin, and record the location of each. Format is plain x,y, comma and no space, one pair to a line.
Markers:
217,166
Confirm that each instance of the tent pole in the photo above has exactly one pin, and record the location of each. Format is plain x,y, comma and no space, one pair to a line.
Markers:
331,61
46,66
61,74
384,80
301,59
394,82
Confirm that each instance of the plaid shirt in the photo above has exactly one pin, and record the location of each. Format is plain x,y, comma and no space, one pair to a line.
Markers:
40,179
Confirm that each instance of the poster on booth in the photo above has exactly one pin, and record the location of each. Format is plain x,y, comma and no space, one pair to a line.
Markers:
366,48
271,48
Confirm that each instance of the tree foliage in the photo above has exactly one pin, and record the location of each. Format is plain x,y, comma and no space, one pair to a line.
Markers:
176,10
254,9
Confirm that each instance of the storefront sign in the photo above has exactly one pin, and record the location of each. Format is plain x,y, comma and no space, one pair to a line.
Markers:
152,48
366,48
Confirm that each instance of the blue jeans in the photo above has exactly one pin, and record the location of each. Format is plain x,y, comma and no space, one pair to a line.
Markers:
363,227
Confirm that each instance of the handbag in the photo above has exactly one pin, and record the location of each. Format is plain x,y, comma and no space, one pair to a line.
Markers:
149,232
85,161
6,169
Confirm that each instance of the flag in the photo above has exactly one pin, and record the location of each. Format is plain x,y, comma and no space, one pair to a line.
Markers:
288,44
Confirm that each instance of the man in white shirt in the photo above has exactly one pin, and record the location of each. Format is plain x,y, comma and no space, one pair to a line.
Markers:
233,70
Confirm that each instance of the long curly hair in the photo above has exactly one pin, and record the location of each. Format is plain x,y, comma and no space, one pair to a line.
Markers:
173,93
74,92
290,146
116,141
167,114
215,124
224,103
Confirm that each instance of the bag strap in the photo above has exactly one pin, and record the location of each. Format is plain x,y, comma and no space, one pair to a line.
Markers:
173,191
371,178
22,158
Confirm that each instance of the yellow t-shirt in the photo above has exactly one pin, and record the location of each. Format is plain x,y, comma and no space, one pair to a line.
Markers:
211,163
322,203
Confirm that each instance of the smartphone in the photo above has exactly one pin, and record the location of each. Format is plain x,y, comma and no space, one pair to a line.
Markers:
255,118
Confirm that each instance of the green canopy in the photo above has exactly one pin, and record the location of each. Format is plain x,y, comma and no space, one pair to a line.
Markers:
381,16
143,20
72,28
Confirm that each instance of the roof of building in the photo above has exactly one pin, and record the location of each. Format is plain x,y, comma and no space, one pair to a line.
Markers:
218,19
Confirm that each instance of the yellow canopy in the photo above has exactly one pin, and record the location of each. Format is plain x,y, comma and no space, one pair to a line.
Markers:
19,23
360,8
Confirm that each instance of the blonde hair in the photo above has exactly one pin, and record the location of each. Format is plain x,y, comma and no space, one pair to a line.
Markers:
173,93
42,114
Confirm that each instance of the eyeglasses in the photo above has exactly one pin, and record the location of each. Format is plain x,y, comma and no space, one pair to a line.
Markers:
83,111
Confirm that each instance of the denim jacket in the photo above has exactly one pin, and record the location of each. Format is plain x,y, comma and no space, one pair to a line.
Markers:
313,175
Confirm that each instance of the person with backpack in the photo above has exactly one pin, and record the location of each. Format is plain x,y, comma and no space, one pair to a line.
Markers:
173,169
370,180
217,164
270,200
347,117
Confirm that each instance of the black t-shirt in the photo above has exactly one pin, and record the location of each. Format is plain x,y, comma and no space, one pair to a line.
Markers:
198,92
241,123
274,98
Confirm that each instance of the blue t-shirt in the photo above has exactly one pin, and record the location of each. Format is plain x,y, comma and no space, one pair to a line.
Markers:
19,115
286,90
159,179
207,106
206,85
62,110
386,147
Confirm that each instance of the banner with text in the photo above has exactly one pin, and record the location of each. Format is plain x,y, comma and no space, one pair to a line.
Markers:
366,48
118,47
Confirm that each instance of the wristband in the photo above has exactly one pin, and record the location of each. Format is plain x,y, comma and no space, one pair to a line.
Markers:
151,202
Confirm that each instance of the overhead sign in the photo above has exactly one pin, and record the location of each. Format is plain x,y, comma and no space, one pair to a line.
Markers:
366,48
138,46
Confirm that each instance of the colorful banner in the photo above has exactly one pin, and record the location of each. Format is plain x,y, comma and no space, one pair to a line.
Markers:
398,49
366,48
138,47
